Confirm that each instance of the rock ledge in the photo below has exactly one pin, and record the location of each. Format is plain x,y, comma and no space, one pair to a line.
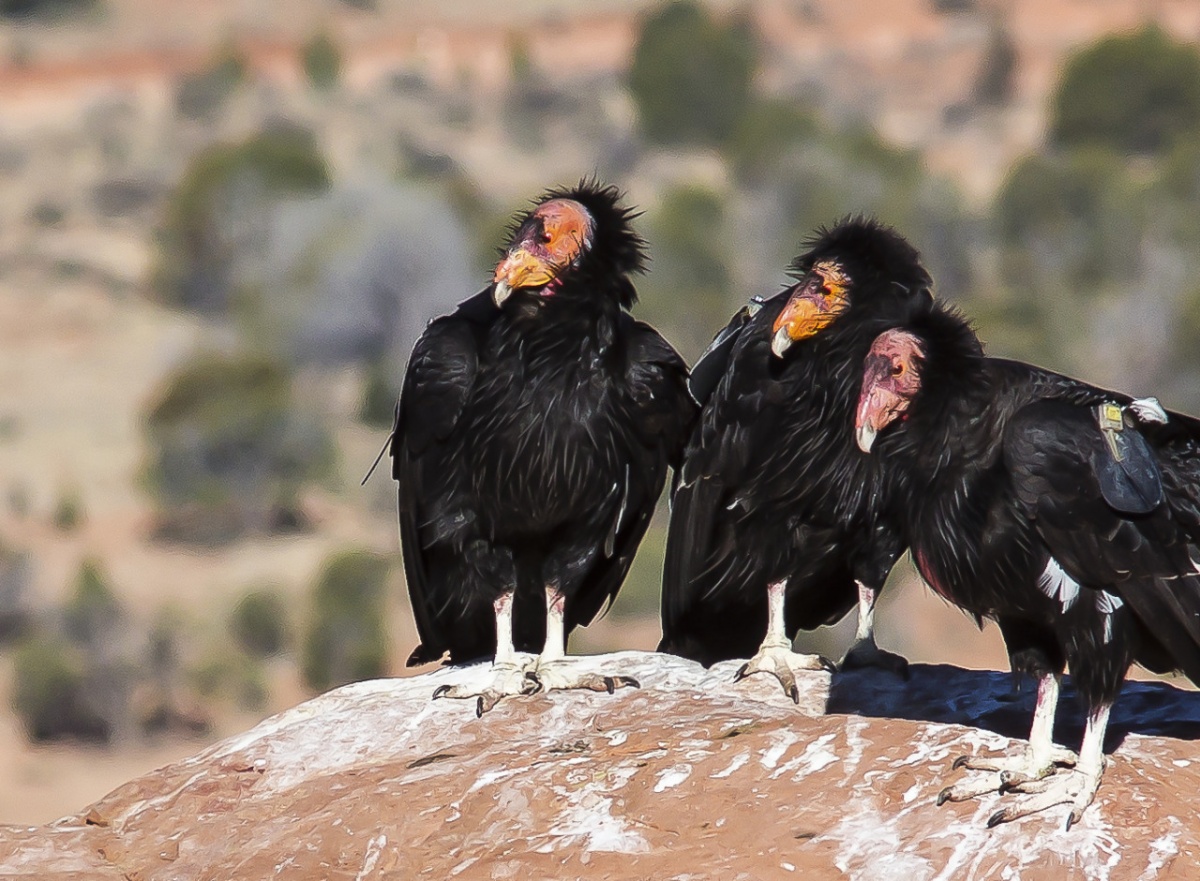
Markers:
691,777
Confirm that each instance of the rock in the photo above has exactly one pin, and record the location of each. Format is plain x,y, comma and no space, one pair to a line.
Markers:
690,777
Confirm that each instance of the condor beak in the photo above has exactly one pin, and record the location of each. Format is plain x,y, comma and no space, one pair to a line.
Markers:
809,311
519,269
878,408
865,435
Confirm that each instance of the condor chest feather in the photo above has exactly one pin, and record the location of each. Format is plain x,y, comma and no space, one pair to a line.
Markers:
548,445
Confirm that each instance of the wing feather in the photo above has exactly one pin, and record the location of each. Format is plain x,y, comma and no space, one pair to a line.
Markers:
1050,448
437,387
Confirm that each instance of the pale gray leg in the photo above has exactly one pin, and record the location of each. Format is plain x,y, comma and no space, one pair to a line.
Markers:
1075,787
508,673
865,652
555,671
775,655
1041,758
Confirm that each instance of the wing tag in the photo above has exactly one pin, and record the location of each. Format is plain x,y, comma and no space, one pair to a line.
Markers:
1127,469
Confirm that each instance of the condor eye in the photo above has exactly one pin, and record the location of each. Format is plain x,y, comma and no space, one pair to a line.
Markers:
897,368
546,237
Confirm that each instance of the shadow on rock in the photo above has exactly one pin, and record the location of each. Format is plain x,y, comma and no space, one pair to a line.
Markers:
1003,703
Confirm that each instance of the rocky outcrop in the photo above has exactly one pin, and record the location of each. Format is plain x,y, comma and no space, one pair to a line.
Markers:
691,777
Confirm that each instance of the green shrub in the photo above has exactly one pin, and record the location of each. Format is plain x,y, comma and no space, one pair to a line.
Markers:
1134,93
222,200
229,450
202,94
691,76
43,9
322,61
259,623
1069,219
994,82
68,513
346,639
92,614
690,260
764,136
49,692
225,675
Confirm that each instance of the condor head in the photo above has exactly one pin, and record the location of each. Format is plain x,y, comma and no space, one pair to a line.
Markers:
549,241
891,378
576,242
858,266
820,297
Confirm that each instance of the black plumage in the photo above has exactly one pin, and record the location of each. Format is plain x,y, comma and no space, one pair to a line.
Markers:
1068,513
772,486
533,436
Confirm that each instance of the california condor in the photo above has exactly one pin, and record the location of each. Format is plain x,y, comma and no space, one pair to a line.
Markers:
532,439
775,522
1067,513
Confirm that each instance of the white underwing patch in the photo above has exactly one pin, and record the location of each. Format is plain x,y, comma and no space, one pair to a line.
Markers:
1055,583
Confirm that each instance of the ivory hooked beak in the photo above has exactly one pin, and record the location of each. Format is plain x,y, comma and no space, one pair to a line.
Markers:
501,292
865,435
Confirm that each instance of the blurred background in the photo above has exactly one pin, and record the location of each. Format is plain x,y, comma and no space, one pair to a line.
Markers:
223,224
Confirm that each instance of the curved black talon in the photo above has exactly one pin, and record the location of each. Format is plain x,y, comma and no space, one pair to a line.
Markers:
944,796
479,708
440,691
630,681
1071,820
536,680
610,684
997,818
827,665
959,762
741,673
794,694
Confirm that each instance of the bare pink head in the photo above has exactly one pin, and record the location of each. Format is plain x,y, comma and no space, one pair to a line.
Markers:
891,377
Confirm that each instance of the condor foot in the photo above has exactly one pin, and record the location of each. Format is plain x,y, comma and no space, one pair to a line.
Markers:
500,681
561,674
1006,772
783,663
1075,787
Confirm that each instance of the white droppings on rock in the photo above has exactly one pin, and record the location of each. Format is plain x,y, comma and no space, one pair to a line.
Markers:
672,777
870,848
738,761
855,744
911,793
781,742
1162,849
816,756
588,820
371,857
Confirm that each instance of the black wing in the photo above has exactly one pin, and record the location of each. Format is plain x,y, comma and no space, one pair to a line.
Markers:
736,413
437,386
714,362
656,421
1055,451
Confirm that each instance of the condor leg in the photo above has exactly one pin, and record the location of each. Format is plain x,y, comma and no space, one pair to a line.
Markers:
508,673
775,656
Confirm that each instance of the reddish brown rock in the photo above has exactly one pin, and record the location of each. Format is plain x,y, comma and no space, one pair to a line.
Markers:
691,777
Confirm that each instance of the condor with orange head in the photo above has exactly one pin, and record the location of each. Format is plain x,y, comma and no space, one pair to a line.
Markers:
532,440
776,522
